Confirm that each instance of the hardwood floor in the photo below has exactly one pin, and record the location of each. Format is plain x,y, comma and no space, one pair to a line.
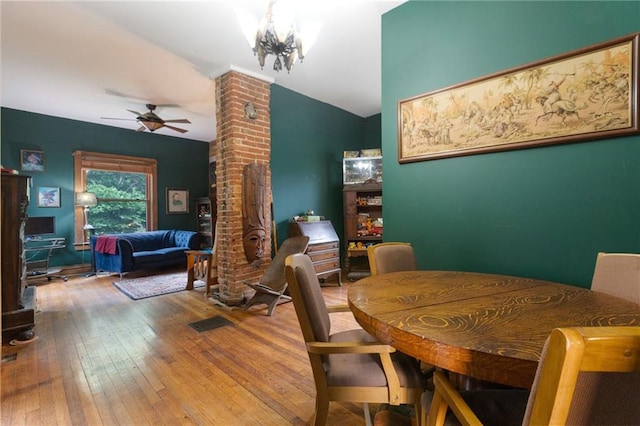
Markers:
104,359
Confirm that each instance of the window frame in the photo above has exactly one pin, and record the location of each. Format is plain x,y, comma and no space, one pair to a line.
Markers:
84,160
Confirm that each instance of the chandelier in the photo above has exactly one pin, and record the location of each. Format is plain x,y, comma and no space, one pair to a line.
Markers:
277,36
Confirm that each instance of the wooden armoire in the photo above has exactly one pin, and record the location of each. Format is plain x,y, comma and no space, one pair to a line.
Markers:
18,299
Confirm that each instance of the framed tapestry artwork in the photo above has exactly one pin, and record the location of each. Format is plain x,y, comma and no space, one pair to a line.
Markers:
177,201
585,94
31,161
48,196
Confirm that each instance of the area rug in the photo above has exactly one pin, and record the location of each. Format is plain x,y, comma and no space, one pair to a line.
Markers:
210,323
154,285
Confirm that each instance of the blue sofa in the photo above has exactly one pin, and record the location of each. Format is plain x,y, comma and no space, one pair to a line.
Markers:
142,250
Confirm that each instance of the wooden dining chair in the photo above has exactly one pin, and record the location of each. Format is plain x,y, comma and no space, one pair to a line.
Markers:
202,265
391,257
618,274
350,365
394,256
586,376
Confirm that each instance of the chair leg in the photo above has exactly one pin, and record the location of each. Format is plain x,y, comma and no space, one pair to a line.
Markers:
259,298
272,306
419,411
275,302
209,282
367,413
322,410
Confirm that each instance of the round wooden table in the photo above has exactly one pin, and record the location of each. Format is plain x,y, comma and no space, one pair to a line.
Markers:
491,327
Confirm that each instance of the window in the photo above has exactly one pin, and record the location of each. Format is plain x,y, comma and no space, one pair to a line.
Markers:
125,188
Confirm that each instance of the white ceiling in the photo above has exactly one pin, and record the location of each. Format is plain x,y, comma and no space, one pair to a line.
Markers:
85,60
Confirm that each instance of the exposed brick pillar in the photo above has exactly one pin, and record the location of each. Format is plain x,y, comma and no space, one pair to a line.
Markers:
240,141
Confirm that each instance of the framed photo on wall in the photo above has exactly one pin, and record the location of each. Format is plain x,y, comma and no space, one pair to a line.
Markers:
31,161
177,201
48,196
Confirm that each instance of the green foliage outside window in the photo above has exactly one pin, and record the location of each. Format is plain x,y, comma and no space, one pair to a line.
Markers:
122,201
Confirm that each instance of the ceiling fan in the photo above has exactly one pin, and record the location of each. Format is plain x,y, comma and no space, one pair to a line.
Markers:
151,121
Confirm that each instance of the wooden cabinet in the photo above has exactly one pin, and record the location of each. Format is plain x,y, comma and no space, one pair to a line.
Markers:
363,225
205,221
18,299
323,248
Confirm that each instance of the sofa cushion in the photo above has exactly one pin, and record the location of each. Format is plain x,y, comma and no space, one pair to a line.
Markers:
160,255
150,240
185,239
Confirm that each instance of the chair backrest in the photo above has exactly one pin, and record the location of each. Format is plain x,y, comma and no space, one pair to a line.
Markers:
618,274
587,375
308,300
391,257
274,276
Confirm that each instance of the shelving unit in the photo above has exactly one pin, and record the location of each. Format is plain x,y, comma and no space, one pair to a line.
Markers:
38,252
205,220
363,225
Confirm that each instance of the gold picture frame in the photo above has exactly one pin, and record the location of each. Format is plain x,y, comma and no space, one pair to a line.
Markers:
585,94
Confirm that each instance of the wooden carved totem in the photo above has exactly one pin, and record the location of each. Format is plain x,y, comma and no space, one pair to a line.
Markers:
254,230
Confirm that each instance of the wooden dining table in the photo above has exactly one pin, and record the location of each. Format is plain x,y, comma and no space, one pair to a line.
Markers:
490,327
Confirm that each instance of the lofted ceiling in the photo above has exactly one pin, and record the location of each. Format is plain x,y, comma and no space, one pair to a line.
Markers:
91,60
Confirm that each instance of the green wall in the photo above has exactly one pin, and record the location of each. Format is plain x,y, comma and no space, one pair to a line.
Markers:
182,163
372,132
308,138
542,212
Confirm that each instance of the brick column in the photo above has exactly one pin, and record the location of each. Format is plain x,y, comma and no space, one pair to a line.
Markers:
240,141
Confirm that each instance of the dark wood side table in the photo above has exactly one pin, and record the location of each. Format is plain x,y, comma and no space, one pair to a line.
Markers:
200,267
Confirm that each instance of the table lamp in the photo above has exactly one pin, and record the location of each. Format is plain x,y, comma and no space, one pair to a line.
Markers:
86,200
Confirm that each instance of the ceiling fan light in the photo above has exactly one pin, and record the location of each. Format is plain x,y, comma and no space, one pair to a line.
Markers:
151,125
152,122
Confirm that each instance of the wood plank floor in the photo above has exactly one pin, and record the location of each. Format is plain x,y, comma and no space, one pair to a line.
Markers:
104,359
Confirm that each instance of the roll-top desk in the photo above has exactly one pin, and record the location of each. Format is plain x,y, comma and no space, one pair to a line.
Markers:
323,248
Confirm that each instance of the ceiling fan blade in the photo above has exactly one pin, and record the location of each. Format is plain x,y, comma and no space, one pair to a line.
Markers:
176,129
167,105
179,120
113,118
134,112
136,98
141,129
116,93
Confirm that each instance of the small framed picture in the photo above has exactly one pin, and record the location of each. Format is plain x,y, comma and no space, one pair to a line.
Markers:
177,201
31,161
48,196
